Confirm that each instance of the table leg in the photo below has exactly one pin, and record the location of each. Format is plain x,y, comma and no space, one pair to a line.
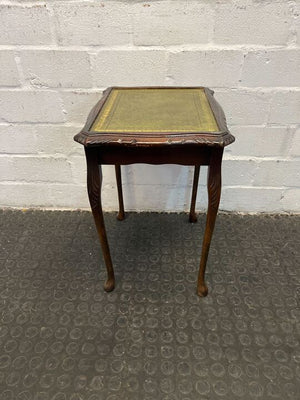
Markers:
214,194
192,216
94,182
121,214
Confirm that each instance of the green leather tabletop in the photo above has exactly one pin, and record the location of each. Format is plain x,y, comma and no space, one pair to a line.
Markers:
160,110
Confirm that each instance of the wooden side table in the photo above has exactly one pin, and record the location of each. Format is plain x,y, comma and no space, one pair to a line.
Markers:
155,125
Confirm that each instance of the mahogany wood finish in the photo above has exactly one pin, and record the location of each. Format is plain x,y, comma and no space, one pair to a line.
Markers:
200,148
94,182
214,194
192,216
121,214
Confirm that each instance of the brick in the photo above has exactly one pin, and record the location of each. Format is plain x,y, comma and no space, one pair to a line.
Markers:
238,172
32,168
9,73
189,22
29,106
78,166
132,68
24,25
23,195
260,141
154,198
278,173
295,144
218,68
143,174
295,25
285,108
101,24
78,104
39,139
244,107
14,194
271,68
290,200
261,23
251,199
54,68
71,196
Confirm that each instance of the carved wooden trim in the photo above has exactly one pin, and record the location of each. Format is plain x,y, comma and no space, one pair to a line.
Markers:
218,139
222,140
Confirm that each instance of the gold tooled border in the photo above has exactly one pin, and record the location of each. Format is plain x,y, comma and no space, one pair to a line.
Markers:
108,110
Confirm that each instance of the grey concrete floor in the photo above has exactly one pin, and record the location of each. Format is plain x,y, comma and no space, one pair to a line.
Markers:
63,338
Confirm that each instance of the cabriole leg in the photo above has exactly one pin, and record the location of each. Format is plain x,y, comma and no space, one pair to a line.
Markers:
214,194
94,182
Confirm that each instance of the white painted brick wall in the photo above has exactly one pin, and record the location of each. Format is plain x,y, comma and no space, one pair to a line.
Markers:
93,23
41,169
57,56
24,24
9,73
271,68
174,24
56,68
219,68
262,23
122,67
284,107
30,106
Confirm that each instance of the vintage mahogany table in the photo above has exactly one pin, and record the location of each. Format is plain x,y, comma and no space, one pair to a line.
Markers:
155,125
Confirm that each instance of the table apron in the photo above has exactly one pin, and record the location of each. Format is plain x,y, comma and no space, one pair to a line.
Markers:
182,155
